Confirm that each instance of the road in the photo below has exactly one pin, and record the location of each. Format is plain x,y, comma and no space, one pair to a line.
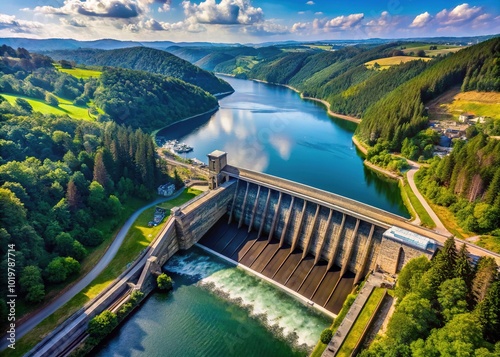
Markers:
410,175
46,311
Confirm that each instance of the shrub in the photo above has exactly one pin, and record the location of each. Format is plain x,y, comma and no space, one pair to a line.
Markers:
102,325
164,282
326,336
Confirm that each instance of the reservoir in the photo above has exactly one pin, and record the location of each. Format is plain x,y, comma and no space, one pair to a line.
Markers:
270,129
217,309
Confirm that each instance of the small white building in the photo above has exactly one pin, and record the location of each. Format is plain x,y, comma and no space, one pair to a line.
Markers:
465,117
166,190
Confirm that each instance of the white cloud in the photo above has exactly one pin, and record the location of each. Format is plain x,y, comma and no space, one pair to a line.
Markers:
301,12
421,20
227,12
12,24
119,9
344,22
310,3
266,28
460,15
299,26
318,13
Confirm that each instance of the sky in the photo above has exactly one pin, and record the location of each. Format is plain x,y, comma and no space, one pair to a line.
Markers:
245,21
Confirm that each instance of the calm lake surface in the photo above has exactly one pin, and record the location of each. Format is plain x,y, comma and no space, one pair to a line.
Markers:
219,310
270,129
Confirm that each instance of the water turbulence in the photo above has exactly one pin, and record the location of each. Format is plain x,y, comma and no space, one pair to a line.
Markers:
288,319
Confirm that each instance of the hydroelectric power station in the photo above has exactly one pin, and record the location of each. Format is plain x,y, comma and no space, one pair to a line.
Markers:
314,244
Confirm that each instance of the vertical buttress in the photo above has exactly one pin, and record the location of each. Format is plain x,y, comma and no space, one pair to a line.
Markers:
254,209
242,218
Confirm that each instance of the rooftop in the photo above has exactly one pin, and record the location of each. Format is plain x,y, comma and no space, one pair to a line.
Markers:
410,238
217,153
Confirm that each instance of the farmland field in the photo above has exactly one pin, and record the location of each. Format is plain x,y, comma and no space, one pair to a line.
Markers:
387,62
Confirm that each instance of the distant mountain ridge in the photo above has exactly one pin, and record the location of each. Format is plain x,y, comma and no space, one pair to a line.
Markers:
149,60
50,44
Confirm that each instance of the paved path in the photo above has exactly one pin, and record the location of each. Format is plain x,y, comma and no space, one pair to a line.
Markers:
410,175
46,311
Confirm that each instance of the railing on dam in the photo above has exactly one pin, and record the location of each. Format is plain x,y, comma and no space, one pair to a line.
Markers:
342,204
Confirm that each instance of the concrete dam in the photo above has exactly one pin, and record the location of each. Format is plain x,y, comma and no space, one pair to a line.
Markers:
314,243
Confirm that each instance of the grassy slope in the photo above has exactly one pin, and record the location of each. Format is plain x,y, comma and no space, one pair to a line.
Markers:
80,72
479,103
360,323
65,107
393,61
441,49
139,236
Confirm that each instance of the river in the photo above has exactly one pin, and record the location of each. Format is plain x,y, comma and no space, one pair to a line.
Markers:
217,309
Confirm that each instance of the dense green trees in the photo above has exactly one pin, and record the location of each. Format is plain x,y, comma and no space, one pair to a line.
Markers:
435,315
149,60
149,101
402,112
468,182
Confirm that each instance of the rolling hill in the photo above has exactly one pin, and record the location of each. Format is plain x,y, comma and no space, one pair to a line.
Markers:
149,60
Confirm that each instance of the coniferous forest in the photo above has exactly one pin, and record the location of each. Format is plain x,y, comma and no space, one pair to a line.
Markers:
445,307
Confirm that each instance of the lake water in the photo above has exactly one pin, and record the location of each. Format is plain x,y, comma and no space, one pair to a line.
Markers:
219,310
270,129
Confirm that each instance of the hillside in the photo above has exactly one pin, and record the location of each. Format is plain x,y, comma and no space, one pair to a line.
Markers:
150,60
138,99
402,112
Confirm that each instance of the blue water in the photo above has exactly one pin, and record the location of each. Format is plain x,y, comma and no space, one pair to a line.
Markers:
270,129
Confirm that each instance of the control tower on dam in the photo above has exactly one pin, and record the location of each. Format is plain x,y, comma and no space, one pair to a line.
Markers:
315,243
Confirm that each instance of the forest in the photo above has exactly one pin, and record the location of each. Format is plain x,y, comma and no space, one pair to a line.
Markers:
449,306
134,98
148,101
149,60
467,182
64,182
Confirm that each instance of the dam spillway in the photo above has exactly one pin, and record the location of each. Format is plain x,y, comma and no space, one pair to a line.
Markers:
313,250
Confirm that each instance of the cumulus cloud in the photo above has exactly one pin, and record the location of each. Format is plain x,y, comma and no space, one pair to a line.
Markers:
299,26
122,9
421,20
318,13
227,12
310,3
12,24
266,28
460,15
342,22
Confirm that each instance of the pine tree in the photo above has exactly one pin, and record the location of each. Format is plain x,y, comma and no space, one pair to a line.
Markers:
100,172
73,196
485,275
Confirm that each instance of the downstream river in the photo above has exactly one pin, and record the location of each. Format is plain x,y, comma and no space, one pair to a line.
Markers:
215,308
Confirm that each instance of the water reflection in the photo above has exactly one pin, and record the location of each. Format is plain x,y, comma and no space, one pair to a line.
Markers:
271,129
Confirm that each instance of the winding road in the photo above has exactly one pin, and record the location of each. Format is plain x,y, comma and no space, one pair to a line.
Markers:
47,310
410,175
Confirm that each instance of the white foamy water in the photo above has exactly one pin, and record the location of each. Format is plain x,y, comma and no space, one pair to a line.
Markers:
281,313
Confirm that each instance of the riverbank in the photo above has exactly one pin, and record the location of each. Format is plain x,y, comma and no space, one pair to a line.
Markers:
211,111
324,102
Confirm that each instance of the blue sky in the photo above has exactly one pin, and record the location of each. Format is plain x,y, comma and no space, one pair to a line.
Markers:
246,20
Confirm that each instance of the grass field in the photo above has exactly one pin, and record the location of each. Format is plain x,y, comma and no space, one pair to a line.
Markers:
65,107
485,104
387,62
441,49
489,242
138,237
79,72
359,325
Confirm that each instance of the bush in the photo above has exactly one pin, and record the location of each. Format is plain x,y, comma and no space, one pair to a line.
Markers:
164,282
326,336
102,325
24,105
